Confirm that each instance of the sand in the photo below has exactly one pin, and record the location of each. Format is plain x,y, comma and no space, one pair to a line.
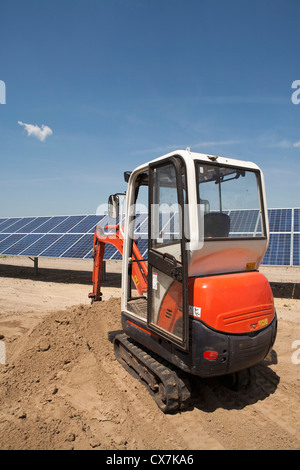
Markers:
61,387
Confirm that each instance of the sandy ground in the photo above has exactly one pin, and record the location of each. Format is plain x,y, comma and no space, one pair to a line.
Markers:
61,387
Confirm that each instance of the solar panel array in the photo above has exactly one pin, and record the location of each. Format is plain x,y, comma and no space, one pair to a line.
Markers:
72,236
59,236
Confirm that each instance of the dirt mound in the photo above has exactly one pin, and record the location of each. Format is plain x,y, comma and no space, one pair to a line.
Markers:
63,389
50,369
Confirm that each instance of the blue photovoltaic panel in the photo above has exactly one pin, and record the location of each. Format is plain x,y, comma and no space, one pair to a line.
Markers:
1,222
23,243
246,221
67,224
280,220
116,256
9,241
37,248
60,246
19,226
87,224
49,224
296,220
110,250
9,223
34,224
279,250
296,251
81,249
47,236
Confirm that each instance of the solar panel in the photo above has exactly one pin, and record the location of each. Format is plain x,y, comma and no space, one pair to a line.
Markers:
279,250
296,251
81,248
280,220
87,224
34,224
8,241
19,226
3,236
72,236
38,247
296,220
49,224
20,245
116,256
8,223
2,221
68,224
58,236
245,222
60,246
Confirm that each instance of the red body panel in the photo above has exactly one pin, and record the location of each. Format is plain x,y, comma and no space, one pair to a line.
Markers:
230,303
233,303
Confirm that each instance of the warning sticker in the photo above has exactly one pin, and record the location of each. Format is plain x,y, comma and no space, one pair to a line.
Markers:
154,281
195,311
250,266
263,322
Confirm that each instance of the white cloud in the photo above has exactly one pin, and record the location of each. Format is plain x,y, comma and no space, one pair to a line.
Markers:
39,132
193,147
220,142
284,144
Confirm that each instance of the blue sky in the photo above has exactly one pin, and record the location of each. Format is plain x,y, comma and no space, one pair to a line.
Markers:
120,82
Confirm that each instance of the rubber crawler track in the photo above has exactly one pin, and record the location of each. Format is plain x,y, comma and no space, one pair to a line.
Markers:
169,388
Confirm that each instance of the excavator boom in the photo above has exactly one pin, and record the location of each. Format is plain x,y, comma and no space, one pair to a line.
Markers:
139,266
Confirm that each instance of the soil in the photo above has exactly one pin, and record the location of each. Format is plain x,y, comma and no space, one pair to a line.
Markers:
62,388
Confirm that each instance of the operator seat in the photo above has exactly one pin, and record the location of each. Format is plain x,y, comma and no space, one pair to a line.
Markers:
216,224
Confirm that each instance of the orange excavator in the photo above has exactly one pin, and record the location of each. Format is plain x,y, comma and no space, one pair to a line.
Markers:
195,303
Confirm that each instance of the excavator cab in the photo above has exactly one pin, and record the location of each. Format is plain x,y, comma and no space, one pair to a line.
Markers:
195,233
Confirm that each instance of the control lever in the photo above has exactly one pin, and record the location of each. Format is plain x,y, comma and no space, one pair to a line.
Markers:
176,271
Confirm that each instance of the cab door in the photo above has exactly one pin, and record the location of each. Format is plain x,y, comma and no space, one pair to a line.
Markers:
167,313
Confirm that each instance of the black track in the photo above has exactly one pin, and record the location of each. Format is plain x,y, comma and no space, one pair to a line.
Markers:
169,388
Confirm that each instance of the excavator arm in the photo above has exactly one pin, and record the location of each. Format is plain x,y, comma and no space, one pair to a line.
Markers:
139,267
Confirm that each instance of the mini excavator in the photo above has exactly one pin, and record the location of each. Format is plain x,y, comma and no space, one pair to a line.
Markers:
193,300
